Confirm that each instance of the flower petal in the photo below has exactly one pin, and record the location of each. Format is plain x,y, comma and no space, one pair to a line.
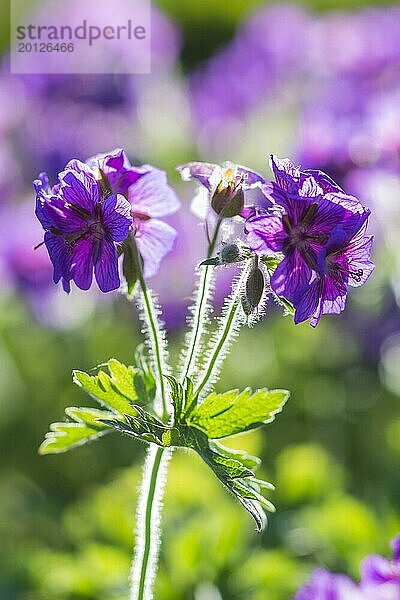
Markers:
79,187
202,171
291,275
152,196
82,263
60,256
115,164
116,217
106,266
155,239
376,569
265,233
358,254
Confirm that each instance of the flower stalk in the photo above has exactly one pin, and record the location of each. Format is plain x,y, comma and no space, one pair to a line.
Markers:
148,516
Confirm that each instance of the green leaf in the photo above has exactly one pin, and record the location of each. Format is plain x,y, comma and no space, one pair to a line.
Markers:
85,426
118,389
232,469
182,398
221,415
146,427
270,262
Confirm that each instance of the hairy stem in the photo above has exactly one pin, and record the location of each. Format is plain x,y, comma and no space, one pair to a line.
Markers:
230,322
156,336
200,308
148,517
148,536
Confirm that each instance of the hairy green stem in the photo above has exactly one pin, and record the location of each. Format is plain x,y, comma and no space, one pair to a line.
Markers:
144,566
147,543
230,322
155,334
200,307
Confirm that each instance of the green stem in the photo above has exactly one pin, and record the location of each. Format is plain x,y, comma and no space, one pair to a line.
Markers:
219,346
230,323
144,564
156,342
148,528
201,303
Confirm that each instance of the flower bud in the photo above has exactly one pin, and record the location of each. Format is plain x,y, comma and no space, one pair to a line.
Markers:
227,200
230,253
253,291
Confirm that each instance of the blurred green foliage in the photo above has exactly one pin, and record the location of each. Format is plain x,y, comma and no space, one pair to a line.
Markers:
67,521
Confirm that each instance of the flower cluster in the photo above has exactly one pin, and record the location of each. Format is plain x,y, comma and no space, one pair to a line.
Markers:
319,230
305,220
93,208
380,579
313,230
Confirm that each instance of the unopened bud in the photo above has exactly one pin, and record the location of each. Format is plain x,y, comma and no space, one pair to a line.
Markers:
254,290
228,200
230,253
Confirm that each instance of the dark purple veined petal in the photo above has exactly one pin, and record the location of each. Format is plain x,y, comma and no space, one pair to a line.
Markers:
201,171
333,296
285,173
265,233
323,180
152,196
82,263
291,275
155,239
358,255
308,302
54,212
60,257
118,169
106,266
80,188
116,217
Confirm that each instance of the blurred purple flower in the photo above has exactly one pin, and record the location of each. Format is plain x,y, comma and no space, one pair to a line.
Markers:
382,576
324,585
81,227
146,189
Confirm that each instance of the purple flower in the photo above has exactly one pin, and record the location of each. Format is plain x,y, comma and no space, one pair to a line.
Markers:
341,262
82,225
225,180
328,586
150,197
378,572
314,224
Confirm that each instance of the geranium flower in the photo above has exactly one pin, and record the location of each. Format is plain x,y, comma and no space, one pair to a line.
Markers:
82,227
150,197
307,207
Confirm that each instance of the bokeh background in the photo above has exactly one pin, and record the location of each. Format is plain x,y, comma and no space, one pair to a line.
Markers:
319,82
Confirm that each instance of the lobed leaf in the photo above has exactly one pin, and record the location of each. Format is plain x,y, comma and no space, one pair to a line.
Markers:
146,427
221,415
118,389
85,426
